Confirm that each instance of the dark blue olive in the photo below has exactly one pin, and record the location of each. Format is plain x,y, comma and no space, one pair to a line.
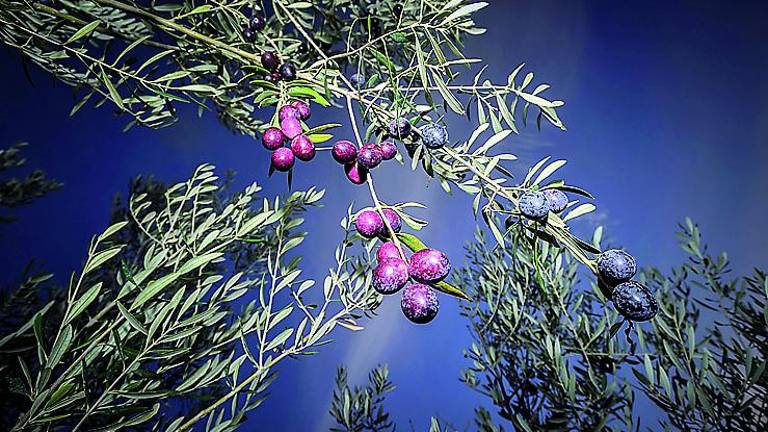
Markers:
534,205
635,301
248,34
399,128
558,201
288,71
357,80
616,266
434,135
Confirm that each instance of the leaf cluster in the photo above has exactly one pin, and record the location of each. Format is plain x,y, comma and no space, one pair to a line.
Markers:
19,191
153,318
542,354
547,358
357,409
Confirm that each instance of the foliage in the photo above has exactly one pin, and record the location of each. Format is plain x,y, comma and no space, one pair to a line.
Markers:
16,192
159,302
358,409
145,57
546,357
542,354
151,319
710,344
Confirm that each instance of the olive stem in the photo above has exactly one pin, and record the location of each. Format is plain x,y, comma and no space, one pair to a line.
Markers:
374,196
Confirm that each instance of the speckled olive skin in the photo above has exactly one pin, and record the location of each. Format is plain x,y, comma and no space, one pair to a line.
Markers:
388,150
434,135
390,276
270,61
399,128
288,71
257,23
357,80
419,303
288,111
394,220
303,109
387,250
302,147
429,266
291,127
344,151
369,156
557,200
274,77
635,301
369,224
272,138
356,173
616,266
283,159
249,34
534,205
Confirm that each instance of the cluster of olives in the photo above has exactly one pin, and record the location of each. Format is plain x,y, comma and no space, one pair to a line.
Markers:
256,24
433,135
633,300
615,267
536,205
276,71
357,162
291,129
419,302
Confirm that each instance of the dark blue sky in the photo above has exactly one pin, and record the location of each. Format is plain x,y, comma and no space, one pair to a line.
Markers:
667,111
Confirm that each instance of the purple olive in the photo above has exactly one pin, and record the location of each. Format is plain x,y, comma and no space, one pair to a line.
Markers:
419,303
257,23
387,250
356,173
283,159
394,220
291,127
287,111
369,223
369,156
429,266
388,150
344,151
272,138
303,148
273,77
303,109
270,61
390,276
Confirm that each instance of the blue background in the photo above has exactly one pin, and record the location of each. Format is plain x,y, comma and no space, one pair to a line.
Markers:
667,111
